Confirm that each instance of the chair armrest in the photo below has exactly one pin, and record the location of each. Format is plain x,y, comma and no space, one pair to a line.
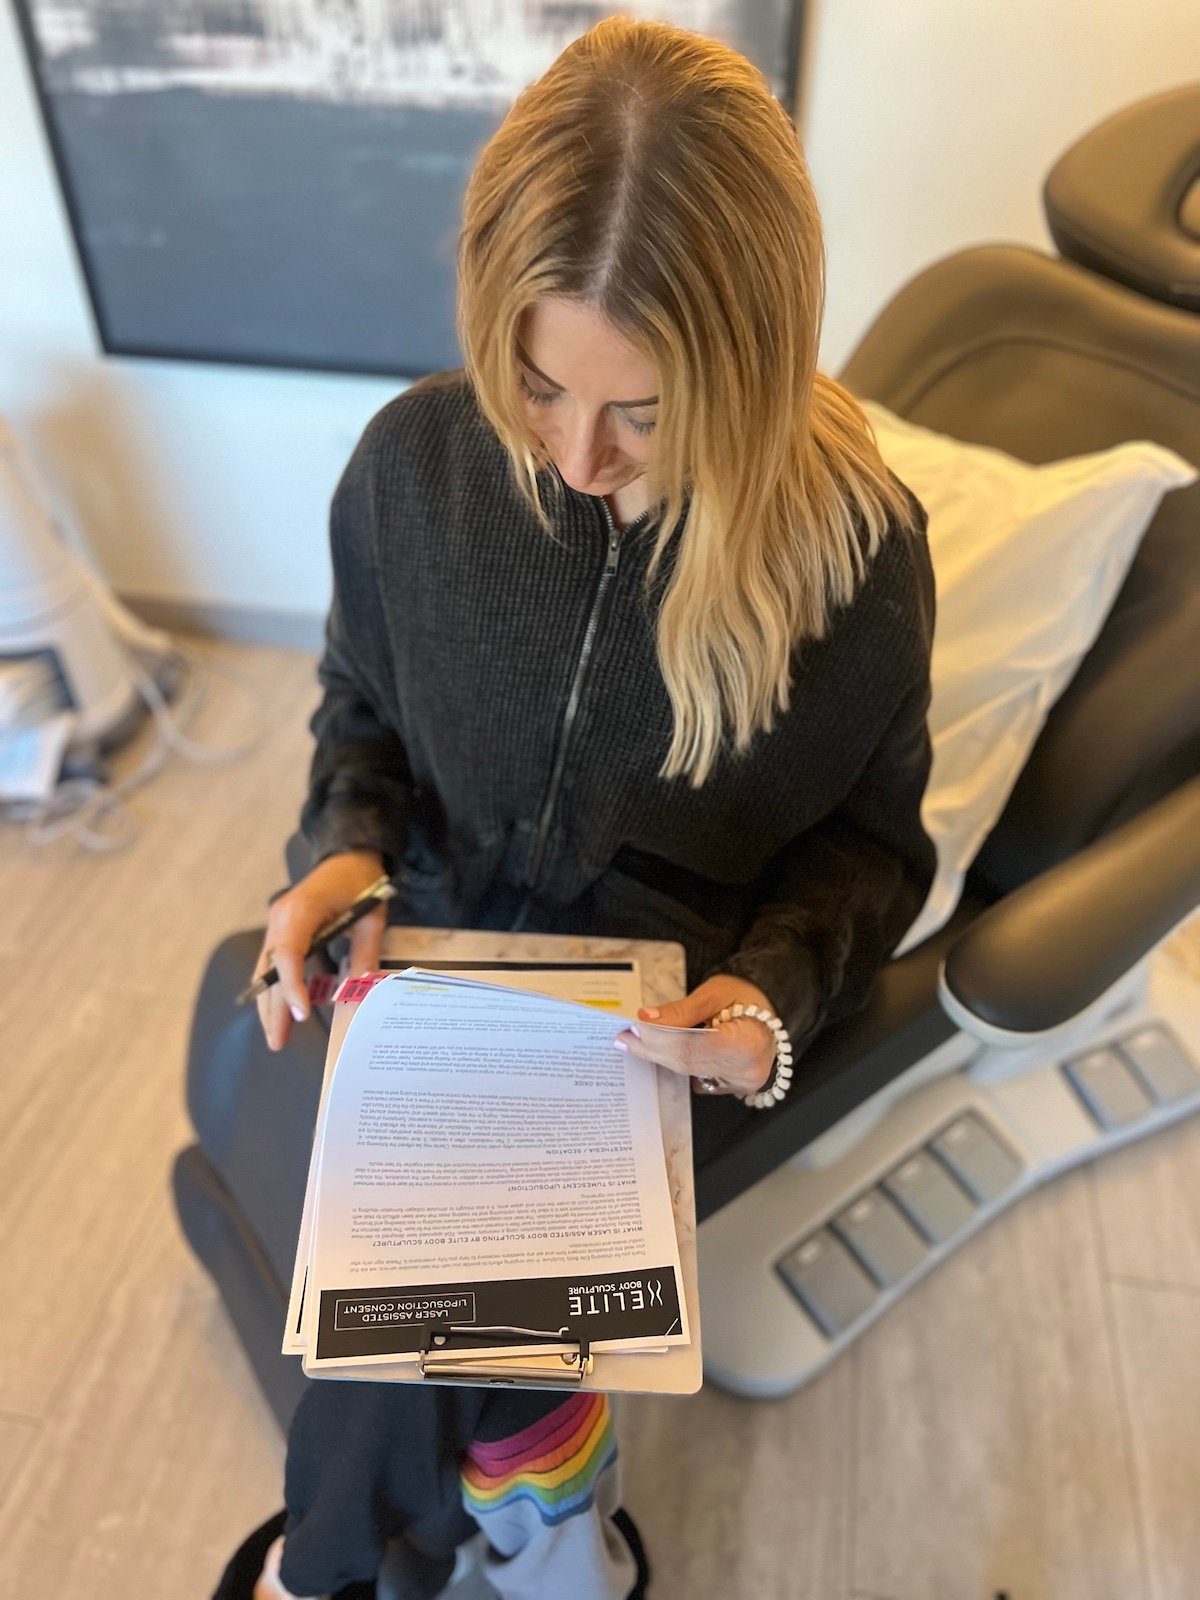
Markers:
1050,949
298,855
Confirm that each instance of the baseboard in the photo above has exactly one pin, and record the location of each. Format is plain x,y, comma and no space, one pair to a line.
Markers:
287,630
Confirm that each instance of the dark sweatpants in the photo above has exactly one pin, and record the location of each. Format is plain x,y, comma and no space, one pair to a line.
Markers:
371,1463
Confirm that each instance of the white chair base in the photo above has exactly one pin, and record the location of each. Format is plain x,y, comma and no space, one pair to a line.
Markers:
797,1267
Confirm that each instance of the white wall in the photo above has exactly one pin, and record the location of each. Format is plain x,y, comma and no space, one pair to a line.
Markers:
931,124
927,127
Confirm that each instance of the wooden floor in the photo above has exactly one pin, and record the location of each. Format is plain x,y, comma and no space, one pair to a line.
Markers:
1026,1422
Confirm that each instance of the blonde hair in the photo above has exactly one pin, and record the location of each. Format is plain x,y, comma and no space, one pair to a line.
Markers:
651,174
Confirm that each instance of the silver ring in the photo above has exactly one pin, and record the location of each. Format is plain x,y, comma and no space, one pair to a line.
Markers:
711,1085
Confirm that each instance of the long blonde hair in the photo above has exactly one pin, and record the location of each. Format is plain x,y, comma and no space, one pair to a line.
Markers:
651,173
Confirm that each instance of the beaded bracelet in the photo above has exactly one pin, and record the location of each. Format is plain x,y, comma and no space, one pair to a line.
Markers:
780,1081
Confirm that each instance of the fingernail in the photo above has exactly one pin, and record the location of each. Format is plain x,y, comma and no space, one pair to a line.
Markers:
298,1013
619,1044
651,1011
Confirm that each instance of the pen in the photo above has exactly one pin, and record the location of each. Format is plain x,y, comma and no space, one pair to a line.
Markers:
382,889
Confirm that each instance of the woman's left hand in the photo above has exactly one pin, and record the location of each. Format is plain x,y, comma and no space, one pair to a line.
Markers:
743,1063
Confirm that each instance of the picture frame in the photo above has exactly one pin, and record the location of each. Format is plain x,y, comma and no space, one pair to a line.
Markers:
242,177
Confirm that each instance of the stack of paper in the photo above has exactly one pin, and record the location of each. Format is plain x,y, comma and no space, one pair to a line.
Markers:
484,1159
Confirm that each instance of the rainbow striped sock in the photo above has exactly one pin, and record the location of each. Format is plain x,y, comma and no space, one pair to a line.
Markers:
554,1463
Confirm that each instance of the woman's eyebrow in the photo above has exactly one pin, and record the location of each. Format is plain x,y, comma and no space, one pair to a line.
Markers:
624,404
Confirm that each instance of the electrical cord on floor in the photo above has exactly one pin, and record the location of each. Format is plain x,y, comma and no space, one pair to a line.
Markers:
95,810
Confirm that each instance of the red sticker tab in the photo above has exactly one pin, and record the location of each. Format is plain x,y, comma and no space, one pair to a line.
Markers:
321,986
359,988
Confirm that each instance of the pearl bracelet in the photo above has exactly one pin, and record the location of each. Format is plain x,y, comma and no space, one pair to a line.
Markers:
776,1086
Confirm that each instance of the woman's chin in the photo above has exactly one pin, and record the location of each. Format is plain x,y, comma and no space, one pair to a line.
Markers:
611,482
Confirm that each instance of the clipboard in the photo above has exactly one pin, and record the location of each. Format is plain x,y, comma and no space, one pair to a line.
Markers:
448,1352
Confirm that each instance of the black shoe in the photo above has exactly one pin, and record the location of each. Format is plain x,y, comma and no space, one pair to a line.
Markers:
246,1564
634,1540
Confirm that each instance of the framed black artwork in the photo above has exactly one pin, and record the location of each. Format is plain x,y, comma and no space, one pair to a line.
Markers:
280,182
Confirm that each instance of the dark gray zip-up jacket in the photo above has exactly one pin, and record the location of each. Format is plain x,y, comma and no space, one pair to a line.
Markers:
494,719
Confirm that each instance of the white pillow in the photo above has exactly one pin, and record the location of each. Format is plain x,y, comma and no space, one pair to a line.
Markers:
1028,560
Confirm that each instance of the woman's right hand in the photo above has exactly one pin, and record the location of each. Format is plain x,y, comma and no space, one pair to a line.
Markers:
320,895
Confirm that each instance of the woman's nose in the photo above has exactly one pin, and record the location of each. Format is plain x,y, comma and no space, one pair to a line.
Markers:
583,454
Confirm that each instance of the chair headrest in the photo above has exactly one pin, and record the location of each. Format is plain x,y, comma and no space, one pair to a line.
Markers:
1125,199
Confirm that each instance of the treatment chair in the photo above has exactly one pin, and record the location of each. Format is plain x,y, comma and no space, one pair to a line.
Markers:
1038,1028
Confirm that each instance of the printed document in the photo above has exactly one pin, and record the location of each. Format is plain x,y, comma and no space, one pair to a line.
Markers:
486,1158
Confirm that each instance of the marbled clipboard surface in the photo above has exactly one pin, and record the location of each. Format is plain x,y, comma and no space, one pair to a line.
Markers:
662,967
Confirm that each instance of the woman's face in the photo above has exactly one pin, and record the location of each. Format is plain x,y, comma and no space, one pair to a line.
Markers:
589,396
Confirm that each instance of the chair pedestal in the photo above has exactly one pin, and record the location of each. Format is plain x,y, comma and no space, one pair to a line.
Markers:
798,1266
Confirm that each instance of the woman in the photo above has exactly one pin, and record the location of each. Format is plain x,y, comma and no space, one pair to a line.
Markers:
630,635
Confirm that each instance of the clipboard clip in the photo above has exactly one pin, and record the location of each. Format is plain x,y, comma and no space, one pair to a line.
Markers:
447,1353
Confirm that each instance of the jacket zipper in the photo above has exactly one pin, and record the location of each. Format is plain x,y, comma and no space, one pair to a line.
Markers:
607,574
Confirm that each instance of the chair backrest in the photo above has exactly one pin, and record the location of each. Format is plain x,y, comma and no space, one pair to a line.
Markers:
1044,358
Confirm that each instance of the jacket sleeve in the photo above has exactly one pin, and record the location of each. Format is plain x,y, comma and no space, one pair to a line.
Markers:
842,895
360,781
836,901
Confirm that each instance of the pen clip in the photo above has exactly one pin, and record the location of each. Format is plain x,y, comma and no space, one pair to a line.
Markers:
382,889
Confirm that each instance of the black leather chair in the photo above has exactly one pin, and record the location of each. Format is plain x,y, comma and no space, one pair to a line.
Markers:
1097,854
